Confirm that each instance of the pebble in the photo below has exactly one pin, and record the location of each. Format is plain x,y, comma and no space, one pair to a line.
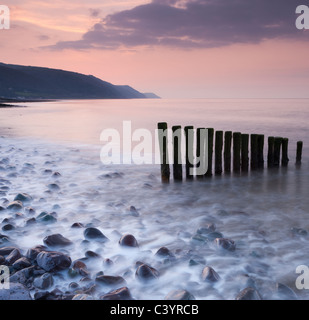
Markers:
44,281
210,275
46,217
179,295
56,239
146,273
53,261
15,205
164,252
94,234
110,280
12,257
128,240
21,263
23,197
248,293
118,294
225,244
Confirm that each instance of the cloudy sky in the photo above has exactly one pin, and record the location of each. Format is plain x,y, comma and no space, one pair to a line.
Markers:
175,48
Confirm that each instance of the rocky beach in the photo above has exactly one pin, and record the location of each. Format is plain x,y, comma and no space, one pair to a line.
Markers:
74,229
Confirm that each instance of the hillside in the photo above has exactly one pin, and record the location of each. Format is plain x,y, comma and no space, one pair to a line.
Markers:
26,82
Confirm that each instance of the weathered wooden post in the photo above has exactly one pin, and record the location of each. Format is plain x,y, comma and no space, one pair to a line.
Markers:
177,165
227,151
254,151
270,155
165,168
285,157
189,150
277,151
236,151
218,152
245,152
200,152
260,151
210,151
299,151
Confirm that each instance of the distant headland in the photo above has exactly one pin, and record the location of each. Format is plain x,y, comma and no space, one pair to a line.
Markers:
28,84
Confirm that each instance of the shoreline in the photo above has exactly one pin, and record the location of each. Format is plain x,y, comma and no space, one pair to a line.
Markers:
67,207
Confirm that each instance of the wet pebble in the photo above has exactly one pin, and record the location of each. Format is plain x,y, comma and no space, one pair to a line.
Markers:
53,261
110,280
118,294
44,281
23,197
15,205
226,244
94,234
128,240
146,273
180,295
210,275
55,240
248,293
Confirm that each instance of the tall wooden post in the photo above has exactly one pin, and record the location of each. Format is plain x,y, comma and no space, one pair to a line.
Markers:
218,152
200,153
299,151
227,151
236,151
165,168
285,157
254,151
189,150
244,152
277,151
260,151
210,151
177,165
270,155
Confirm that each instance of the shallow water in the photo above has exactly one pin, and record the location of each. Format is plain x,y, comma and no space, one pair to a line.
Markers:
257,211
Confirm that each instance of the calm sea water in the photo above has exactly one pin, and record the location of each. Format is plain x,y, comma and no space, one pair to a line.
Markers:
266,213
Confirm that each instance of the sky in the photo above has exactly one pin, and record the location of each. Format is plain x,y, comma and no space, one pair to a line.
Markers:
174,48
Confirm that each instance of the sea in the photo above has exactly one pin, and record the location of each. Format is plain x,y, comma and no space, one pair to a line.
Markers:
265,212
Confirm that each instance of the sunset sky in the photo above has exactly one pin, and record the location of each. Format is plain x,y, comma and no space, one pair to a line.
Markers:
174,48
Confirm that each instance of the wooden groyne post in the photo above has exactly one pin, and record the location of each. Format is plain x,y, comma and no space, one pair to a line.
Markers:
299,151
244,152
270,155
218,152
227,151
210,151
200,153
165,168
189,136
285,156
177,165
254,151
277,151
236,151
260,151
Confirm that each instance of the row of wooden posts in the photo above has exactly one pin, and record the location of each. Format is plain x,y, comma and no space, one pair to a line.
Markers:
233,151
